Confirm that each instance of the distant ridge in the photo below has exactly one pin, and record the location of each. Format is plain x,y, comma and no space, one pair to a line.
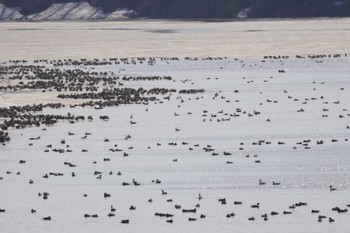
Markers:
66,11
9,14
172,9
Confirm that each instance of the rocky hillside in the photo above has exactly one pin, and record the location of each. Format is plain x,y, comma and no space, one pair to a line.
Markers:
172,9
65,11
7,13
77,11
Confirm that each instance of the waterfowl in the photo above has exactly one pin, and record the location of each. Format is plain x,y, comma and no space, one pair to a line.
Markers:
251,219
200,197
164,215
339,210
274,213
189,210
261,182
125,221
223,201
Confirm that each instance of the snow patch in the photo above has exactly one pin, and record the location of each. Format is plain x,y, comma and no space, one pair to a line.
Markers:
243,13
119,14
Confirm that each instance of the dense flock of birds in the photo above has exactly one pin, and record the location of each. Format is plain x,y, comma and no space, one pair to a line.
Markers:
70,80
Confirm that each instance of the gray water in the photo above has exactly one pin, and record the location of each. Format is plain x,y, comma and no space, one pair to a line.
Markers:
251,39
304,174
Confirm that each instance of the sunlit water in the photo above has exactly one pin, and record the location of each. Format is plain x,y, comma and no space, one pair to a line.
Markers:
304,174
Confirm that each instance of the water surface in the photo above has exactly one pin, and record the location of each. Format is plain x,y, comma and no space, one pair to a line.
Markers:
250,39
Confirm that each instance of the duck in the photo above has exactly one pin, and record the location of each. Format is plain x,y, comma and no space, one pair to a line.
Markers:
125,221
223,201
261,182
274,213
189,210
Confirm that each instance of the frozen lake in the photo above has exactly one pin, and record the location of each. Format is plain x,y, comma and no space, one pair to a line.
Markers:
258,119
